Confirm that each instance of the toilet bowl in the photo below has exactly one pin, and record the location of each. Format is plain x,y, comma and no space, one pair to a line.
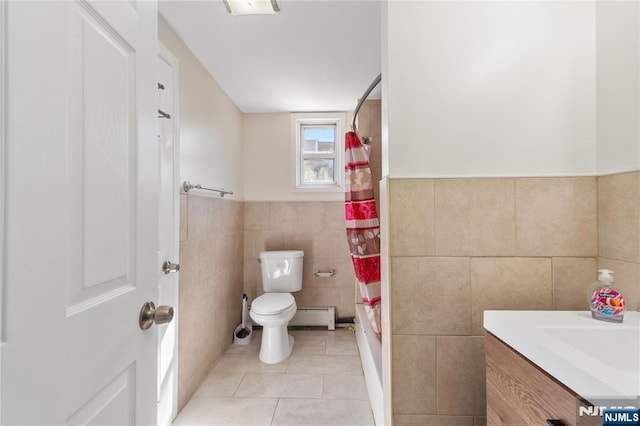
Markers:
281,275
273,311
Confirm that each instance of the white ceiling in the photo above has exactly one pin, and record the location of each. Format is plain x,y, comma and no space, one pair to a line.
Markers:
314,55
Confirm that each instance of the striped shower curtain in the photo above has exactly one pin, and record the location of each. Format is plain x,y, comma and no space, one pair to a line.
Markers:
363,231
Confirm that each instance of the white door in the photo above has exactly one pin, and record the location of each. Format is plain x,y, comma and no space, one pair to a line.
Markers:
168,134
81,213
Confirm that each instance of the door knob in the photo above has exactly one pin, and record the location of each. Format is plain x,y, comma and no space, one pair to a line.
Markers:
149,315
168,267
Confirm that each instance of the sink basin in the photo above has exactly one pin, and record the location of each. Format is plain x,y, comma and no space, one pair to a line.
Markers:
619,348
599,361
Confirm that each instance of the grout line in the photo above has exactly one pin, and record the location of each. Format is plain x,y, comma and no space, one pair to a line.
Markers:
273,416
553,286
238,385
322,387
436,372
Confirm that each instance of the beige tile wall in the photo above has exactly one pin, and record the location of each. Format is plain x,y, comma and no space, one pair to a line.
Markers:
370,126
317,228
211,271
461,246
619,232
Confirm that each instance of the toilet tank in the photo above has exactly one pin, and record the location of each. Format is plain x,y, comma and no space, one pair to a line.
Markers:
281,270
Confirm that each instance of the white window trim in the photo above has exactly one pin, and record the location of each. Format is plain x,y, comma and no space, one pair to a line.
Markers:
339,119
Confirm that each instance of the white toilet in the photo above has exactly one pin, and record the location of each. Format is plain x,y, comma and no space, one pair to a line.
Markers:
281,275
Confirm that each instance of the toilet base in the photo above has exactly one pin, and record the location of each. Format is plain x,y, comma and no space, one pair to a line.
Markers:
276,345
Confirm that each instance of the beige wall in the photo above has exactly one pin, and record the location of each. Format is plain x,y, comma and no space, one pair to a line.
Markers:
268,159
211,147
619,232
211,238
269,167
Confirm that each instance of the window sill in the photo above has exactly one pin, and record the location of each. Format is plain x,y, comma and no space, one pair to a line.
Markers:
322,189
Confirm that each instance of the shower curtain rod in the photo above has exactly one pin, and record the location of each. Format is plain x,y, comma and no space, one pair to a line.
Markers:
367,92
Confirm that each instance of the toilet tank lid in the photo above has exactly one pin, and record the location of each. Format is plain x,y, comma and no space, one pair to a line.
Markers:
281,254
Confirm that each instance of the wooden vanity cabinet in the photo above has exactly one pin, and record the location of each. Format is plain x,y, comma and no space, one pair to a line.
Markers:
519,393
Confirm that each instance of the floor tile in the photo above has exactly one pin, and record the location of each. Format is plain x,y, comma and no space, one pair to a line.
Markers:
227,412
248,363
342,347
309,346
338,386
280,385
322,412
324,364
220,383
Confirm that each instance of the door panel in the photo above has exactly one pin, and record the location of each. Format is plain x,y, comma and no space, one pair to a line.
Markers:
102,151
112,405
81,213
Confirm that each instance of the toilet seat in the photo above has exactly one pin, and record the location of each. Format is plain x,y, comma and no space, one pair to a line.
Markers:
272,303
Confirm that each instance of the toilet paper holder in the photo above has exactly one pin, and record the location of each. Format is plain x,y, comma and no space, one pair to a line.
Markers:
324,274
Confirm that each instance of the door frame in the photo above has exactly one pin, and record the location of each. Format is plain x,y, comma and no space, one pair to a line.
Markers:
3,180
165,54
3,131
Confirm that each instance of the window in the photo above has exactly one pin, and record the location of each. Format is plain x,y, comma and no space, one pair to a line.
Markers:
318,139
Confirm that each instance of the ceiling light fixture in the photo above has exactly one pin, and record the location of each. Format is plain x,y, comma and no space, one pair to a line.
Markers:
251,7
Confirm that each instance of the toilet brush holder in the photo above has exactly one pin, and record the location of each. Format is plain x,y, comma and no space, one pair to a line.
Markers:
242,335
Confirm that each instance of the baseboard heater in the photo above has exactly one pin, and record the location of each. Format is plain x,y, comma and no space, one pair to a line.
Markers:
316,316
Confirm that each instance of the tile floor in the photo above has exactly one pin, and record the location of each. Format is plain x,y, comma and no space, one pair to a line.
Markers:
321,383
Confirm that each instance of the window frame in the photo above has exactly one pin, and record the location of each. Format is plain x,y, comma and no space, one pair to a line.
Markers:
298,121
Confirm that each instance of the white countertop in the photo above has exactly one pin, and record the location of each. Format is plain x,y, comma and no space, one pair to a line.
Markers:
600,361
